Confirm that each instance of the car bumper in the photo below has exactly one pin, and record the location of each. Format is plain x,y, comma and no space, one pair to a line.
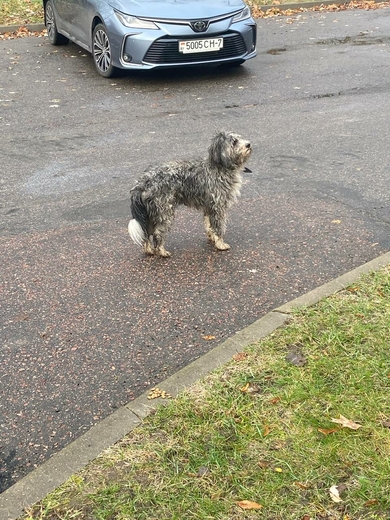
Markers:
159,48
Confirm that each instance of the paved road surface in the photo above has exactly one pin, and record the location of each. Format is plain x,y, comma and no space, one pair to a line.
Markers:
88,322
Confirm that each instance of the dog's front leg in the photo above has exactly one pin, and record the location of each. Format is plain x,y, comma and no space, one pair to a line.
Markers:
215,225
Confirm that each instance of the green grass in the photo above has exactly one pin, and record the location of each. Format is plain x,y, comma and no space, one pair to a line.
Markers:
251,431
20,12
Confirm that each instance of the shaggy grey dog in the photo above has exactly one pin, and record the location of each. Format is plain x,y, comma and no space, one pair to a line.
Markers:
210,185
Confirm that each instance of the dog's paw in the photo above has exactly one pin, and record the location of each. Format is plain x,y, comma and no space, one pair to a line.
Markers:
221,245
161,251
149,249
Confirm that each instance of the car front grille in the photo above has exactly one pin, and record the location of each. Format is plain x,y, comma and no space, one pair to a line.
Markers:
166,50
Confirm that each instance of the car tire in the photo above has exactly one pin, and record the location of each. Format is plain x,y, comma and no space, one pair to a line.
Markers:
55,38
101,52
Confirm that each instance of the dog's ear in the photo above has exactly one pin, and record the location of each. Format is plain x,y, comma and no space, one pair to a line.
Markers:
218,155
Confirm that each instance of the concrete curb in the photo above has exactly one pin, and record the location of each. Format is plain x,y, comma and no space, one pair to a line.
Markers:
33,27
282,7
37,484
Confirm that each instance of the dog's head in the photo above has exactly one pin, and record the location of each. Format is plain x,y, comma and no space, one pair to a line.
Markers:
229,151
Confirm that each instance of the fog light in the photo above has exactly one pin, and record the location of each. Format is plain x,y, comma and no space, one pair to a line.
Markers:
127,58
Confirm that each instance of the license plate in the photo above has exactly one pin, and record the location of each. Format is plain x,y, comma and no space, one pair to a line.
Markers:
209,45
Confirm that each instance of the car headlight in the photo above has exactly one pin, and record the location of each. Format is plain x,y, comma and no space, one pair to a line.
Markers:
242,15
134,22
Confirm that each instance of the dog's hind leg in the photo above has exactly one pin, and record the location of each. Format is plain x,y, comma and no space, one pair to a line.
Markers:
215,225
159,242
159,234
148,247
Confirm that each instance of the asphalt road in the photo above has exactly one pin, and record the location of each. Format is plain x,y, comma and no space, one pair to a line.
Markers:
88,323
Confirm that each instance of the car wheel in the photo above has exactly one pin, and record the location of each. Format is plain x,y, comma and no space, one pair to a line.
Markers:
101,52
55,38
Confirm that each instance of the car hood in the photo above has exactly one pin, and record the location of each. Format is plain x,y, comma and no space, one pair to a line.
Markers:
177,9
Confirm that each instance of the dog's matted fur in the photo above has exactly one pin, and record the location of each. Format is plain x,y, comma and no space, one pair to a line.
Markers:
210,185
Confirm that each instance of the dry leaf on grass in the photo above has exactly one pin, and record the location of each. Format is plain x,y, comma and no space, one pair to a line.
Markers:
346,423
240,356
250,388
247,504
244,388
335,492
328,431
302,485
371,502
266,430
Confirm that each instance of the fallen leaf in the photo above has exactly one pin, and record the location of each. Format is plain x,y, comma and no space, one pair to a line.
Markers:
346,423
336,221
328,432
247,504
245,388
301,485
208,337
334,494
266,430
372,502
251,388
278,470
336,491
240,356
275,400
155,393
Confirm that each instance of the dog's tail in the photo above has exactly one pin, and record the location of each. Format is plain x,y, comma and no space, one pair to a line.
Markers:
138,225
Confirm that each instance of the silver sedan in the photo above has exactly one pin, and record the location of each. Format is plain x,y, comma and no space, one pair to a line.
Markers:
146,34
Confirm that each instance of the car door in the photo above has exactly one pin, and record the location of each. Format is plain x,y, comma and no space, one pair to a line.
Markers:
83,13
63,15
75,18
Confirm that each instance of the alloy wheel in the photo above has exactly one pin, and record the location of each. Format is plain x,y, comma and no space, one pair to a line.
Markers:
50,23
102,51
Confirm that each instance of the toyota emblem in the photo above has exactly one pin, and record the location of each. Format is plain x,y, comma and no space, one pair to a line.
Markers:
199,26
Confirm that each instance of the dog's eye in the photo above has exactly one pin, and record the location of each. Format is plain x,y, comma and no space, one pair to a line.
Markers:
235,141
